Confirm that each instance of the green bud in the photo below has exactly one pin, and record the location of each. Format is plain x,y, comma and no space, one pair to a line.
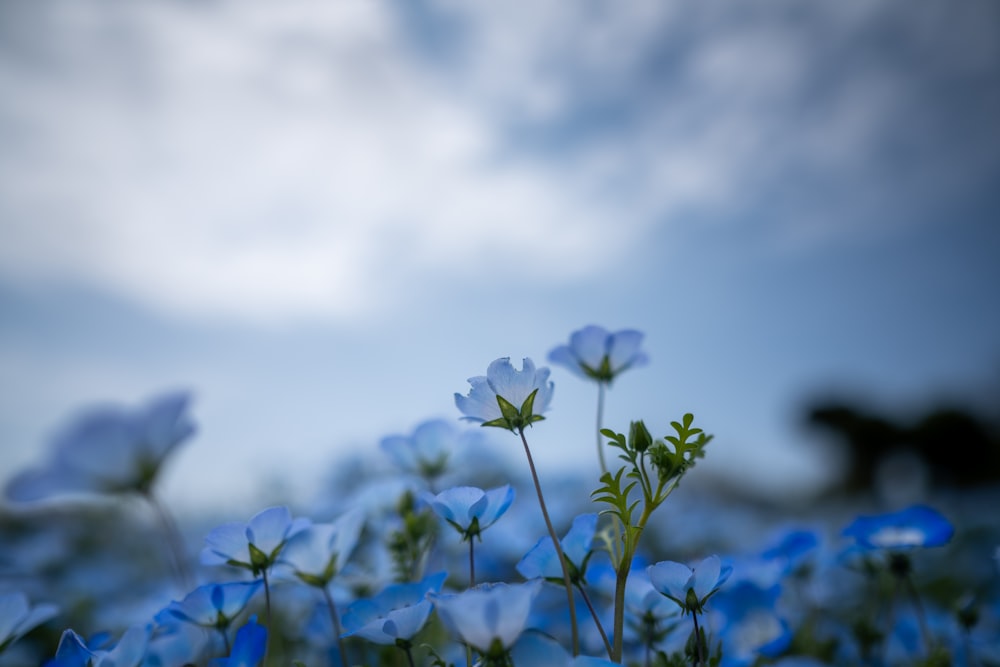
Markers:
639,437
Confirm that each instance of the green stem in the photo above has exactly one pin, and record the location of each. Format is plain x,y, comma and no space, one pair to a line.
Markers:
697,640
267,611
174,539
597,621
555,542
332,606
600,420
472,564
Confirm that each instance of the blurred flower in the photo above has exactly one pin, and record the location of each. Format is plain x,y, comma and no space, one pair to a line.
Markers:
917,526
542,561
109,450
18,617
398,612
488,617
470,510
507,398
212,605
689,587
597,354
427,450
254,545
317,553
538,650
248,647
128,652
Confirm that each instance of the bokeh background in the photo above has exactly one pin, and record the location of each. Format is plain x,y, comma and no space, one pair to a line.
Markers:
322,217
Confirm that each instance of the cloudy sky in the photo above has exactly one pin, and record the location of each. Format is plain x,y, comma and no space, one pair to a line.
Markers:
322,217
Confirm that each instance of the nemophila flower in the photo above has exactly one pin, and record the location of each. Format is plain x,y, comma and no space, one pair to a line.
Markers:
318,553
542,560
917,526
471,510
249,647
488,617
689,587
396,613
427,450
597,354
538,650
18,617
212,605
255,545
110,450
128,652
506,397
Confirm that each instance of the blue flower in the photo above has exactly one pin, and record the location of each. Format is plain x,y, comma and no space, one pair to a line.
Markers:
128,652
507,398
18,617
917,526
254,545
427,450
398,612
488,617
109,450
542,561
470,510
248,647
689,587
316,554
211,605
597,354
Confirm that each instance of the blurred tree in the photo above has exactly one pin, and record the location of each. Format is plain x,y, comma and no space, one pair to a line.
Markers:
958,447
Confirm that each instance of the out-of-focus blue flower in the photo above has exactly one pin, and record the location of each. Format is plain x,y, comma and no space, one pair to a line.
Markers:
248,647
399,611
751,625
18,617
542,561
254,545
506,397
689,587
471,510
211,605
488,617
128,652
317,553
597,354
109,450
427,450
917,526
537,650
792,548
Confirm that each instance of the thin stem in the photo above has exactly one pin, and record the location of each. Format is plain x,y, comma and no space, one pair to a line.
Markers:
174,539
267,611
600,424
697,640
409,655
555,543
921,617
225,640
332,606
597,621
472,564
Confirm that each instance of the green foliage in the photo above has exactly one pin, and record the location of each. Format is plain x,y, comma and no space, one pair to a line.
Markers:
515,419
409,544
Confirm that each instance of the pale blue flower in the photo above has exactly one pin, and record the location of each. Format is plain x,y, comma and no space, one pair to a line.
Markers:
538,650
917,526
318,553
18,617
398,612
110,450
254,545
689,587
597,354
471,510
501,397
488,615
211,605
542,561
426,451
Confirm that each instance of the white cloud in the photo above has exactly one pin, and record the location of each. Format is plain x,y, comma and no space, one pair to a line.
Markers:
265,162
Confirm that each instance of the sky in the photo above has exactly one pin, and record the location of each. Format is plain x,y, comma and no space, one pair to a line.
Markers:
323,217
